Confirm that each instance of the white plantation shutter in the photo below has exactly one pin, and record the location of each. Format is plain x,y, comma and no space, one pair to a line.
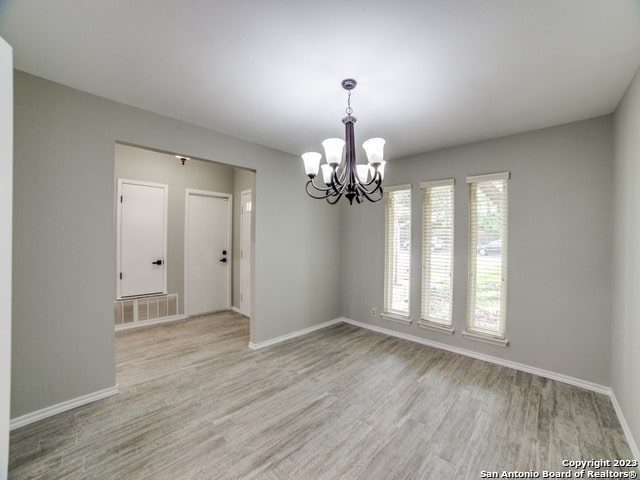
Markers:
397,249
437,251
488,216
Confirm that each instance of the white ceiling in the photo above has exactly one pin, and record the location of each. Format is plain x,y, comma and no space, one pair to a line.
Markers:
431,73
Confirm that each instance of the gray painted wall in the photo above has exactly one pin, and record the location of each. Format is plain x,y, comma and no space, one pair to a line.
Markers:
243,180
625,374
6,187
133,163
63,289
560,232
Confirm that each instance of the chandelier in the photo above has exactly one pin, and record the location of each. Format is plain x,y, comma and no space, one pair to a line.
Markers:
354,181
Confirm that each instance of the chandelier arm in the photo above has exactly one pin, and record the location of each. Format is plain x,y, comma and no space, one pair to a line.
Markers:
372,185
353,174
326,192
369,192
376,183
366,194
337,197
376,179
322,197
337,183
320,188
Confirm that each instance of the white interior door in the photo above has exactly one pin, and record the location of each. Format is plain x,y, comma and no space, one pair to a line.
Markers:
142,222
245,252
207,252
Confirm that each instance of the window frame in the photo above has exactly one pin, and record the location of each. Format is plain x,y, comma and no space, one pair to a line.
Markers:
426,322
387,312
497,337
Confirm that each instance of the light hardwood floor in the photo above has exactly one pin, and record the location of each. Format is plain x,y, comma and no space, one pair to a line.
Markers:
341,403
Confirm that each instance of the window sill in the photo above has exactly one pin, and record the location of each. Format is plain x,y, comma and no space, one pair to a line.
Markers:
396,318
500,342
436,327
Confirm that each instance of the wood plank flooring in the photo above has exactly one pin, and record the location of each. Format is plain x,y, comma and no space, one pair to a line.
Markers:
341,403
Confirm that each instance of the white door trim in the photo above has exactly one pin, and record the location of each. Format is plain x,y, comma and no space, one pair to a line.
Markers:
229,197
250,253
6,213
119,230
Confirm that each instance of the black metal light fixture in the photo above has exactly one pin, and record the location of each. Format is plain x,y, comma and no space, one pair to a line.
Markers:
354,181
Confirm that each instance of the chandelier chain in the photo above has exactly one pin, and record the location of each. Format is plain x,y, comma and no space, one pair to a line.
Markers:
349,110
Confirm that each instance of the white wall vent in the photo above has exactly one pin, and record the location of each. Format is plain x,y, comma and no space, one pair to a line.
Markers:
133,310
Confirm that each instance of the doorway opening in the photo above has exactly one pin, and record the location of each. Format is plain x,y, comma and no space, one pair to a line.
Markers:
184,237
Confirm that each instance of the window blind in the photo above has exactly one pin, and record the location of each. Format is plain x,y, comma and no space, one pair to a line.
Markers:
437,251
488,242
397,247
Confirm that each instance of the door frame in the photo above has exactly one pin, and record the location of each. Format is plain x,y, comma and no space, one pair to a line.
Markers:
121,181
243,253
206,193
6,214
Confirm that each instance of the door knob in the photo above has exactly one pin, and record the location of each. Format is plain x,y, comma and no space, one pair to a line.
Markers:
223,259
157,262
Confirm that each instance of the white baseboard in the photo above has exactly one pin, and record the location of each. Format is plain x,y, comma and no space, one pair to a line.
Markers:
236,309
297,333
487,358
155,321
633,446
61,407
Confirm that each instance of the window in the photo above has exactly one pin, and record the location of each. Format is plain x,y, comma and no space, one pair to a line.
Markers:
397,248
437,253
488,214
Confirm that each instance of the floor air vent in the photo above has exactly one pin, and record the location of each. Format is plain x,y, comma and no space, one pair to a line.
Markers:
134,310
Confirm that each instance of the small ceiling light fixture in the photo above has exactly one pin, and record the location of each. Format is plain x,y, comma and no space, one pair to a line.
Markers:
354,181
182,159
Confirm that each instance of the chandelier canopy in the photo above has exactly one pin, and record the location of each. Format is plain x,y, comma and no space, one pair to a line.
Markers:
354,181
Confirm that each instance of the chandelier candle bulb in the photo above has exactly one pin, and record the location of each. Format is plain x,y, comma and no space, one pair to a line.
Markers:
363,172
327,171
379,169
374,148
355,181
311,163
333,148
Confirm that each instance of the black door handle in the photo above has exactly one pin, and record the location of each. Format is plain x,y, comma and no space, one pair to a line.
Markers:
223,259
157,262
